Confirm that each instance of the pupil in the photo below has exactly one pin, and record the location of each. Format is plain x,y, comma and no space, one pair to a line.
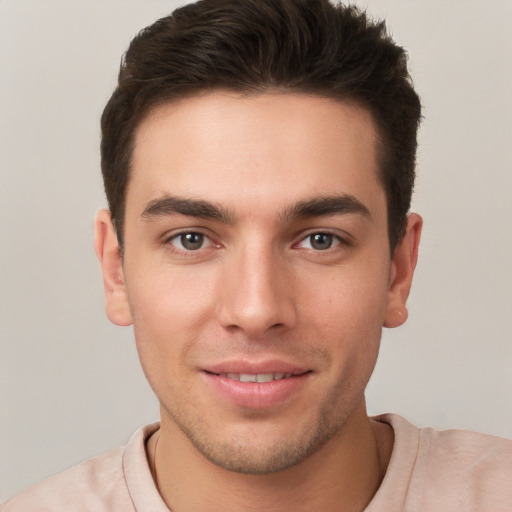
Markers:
321,241
192,241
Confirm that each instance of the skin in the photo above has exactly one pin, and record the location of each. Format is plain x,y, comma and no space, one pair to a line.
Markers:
264,281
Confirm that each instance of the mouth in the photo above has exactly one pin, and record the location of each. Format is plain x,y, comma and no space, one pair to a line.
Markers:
259,377
257,389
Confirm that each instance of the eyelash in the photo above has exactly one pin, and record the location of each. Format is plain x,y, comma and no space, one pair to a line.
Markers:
338,242
178,236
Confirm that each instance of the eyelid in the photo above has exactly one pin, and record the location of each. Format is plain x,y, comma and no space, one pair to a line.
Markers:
175,234
335,242
343,238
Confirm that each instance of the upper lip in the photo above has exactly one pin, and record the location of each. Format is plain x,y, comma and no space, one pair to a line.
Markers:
255,368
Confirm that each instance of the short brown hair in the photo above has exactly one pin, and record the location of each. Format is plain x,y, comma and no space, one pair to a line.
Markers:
252,46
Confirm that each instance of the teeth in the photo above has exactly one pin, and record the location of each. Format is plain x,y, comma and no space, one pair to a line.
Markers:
260,377
264,377
247,377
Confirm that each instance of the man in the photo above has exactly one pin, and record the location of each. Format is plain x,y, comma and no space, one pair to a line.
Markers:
258,159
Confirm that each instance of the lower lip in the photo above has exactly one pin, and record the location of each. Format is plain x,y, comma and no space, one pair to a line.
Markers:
256,395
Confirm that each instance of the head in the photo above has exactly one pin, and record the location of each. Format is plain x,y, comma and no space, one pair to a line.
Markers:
258,158
256,46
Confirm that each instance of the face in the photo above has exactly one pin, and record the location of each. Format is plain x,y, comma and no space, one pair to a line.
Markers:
256,271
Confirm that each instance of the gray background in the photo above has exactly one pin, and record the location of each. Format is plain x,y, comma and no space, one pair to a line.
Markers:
70,383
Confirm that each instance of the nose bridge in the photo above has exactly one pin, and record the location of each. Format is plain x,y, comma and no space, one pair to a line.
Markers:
257,296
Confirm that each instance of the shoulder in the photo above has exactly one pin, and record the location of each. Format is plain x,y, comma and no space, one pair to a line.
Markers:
479,465
482,451
452,469
98,484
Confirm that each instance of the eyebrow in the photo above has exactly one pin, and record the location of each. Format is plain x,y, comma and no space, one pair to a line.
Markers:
170,205
315,207
323,206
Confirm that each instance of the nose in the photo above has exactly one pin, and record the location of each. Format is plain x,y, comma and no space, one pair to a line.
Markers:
257,294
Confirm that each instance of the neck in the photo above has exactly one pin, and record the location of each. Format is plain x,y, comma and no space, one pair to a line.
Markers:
343,474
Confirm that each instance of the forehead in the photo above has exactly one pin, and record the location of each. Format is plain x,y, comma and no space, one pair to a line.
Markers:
228,149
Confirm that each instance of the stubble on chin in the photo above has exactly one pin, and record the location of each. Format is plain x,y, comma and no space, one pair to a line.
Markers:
251,453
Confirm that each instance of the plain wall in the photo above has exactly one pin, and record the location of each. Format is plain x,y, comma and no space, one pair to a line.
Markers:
70,383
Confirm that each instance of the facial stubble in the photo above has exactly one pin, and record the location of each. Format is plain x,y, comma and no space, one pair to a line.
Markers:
241,454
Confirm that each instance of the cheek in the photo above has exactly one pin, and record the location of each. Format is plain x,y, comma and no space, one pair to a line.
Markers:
168,297
349,300
347,317
169,310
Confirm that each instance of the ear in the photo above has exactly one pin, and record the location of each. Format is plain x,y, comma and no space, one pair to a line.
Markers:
403,264
108,252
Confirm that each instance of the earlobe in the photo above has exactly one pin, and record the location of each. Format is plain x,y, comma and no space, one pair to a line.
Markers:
403,264
109,255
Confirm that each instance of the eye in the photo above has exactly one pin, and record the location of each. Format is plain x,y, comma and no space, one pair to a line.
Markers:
319,241
191,241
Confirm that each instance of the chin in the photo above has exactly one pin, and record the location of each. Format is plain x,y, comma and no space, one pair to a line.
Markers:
262,449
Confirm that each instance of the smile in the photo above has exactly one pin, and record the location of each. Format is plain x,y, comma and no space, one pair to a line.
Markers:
257,390
259,377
